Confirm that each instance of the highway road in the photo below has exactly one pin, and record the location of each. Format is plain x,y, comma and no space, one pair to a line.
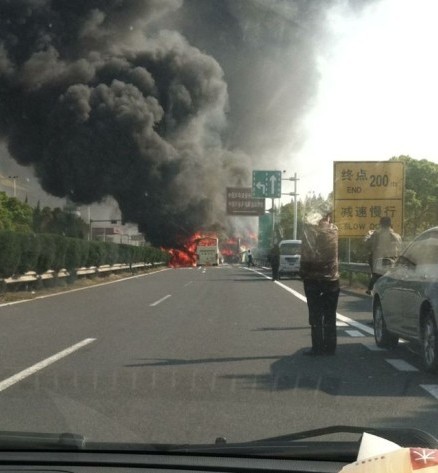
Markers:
188,355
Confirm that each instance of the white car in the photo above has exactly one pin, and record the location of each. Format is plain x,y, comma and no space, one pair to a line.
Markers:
290,257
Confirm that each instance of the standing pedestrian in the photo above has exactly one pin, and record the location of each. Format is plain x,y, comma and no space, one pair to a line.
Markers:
274,258
384,246
250,260
319,271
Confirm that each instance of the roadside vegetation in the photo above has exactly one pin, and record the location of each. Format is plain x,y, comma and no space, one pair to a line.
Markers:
39,240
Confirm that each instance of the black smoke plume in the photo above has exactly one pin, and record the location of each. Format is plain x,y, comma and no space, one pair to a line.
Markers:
116,98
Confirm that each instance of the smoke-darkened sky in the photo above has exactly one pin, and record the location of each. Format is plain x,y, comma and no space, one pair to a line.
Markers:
159,104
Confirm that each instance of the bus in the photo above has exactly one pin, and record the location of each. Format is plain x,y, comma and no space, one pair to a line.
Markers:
207,251
230,250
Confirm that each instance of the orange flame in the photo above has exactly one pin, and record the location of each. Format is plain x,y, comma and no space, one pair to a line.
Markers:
230,249
184,256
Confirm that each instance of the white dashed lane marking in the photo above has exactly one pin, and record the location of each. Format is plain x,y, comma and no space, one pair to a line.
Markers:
159,301
373,347
353,323
401,365
432,389
43,364
354,333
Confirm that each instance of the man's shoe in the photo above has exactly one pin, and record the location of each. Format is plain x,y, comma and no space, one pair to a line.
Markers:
368,292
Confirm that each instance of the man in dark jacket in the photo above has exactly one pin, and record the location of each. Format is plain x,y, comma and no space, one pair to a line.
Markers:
319,271
274,258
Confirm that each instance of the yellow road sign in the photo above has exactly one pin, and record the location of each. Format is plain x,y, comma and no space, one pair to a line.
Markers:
369,180
366,191
356,218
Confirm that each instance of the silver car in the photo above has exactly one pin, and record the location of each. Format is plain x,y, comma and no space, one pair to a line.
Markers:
405,301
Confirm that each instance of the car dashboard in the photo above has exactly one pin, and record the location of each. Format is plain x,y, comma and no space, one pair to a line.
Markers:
96,462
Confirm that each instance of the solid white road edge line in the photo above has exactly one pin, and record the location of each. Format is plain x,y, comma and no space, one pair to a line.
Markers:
339,316
43,364
401,365
6,304
160,300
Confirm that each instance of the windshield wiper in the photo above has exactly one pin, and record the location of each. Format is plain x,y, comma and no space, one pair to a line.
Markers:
405,437
298,445
40,440
301,445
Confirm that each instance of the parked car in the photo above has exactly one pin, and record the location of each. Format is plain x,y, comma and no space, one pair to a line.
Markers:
405,300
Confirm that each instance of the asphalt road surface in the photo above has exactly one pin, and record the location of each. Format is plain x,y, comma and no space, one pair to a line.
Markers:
189,355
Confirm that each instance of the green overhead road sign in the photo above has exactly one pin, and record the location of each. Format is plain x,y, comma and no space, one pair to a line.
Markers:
266,184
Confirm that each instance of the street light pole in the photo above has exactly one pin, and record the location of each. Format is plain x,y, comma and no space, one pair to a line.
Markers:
273,222
14,178
295,195
89,223
295,207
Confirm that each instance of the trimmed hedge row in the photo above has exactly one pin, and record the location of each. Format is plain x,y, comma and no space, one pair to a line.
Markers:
22,252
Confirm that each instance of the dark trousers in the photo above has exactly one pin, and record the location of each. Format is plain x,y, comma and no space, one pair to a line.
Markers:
275,272
373,279
322,302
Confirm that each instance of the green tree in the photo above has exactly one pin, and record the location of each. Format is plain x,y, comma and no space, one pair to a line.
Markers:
421,195
59,222
285,223
14,215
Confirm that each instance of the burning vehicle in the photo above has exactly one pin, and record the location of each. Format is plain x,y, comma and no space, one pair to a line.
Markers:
230,250
207,250
200,249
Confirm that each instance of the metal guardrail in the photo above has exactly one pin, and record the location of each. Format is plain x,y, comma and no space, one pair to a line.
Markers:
32,279
351,268
354,268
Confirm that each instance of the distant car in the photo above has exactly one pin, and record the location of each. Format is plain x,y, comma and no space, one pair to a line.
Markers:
290,257
405,301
